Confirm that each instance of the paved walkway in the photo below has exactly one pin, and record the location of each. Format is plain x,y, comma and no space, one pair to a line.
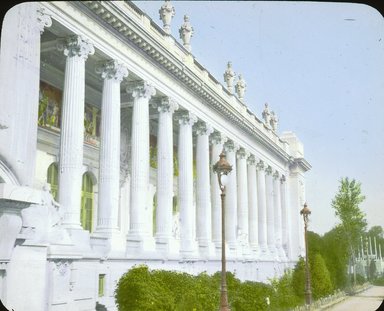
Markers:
370,300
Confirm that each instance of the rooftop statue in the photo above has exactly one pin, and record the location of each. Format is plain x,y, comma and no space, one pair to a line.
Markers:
186,32
274,121
229,77
167,11
266,115
240,87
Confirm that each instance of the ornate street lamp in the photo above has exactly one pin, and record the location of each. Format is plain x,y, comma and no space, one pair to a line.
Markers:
308,294
222,168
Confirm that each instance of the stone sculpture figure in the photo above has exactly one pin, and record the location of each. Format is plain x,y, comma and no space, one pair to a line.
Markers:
240,87
274,121
229,77
266,115
186,32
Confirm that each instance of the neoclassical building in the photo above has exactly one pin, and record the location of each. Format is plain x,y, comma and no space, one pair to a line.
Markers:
109,128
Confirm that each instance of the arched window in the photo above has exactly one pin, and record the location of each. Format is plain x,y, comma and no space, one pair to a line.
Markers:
53,179
86,202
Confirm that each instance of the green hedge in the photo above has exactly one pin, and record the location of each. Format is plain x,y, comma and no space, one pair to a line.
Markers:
143,289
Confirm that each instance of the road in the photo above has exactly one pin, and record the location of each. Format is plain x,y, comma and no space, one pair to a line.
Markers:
369,300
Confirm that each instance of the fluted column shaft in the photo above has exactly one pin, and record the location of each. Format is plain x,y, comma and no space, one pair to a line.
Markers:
140,159
72,128
217,140
270,211
231,196
242,195
165,169
262,206
252,204
203,194
278,215
109,174
185,157
286,232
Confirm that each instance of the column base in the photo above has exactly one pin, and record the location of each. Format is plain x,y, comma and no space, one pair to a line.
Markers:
281,253
273,252
233,251
264,253
255,251
189,249
109,243
207,249
167,246
137,244
80,239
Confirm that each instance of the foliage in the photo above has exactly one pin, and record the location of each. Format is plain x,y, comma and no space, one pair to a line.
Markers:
284,296
346,205
335,255
298,278
378,281
142,289
321,279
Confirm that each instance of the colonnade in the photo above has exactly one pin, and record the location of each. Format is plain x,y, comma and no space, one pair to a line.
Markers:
256,200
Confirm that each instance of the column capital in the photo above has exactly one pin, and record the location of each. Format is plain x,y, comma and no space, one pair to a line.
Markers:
186,117
165,104
268,170
251,160
75,46
231,146
282,179
202,128
217,138
112,70
260,165
242,154
141,89
276,175
43,19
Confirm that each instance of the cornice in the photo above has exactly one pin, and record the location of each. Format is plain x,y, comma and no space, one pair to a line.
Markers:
139,31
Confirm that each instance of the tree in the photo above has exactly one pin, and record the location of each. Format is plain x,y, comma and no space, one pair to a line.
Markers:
321,285
353,222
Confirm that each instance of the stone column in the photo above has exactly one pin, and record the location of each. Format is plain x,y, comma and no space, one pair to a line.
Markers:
252,205
230,147
262,209
278,215
138,235
217,140
19,87
77,50
203,191
164,217
286,232
242,200
185,157
271,238
109,174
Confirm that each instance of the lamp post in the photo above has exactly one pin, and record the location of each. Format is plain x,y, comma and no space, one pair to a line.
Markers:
308,294
222,168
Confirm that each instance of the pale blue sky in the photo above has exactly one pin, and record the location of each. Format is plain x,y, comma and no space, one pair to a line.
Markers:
320,66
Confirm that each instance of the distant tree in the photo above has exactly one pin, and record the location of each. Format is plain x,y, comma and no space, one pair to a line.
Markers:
353,222
376,231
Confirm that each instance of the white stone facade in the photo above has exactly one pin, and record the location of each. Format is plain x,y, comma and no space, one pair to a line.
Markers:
106,112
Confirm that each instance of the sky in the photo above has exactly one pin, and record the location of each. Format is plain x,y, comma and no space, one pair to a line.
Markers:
320,67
